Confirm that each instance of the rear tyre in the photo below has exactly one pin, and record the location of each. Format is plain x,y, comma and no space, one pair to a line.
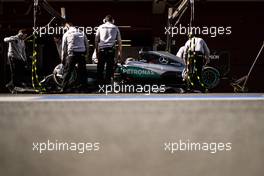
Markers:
210,77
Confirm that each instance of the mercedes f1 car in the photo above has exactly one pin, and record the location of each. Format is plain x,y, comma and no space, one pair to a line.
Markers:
152,67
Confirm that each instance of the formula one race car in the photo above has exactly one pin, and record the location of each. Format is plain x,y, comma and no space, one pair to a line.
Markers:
157,67
160,67
152,67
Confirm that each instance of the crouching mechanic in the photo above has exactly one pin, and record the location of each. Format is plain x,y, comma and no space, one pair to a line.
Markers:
197,55
105,40
75,47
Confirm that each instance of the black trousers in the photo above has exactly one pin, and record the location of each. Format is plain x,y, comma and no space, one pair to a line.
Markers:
69,65
106,57
17,72
195,67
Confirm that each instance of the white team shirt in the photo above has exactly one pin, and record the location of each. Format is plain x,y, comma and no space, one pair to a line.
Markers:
197,44
74,41
107,34
16,48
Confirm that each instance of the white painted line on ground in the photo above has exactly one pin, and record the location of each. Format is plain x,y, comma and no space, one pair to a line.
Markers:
126,98
18,99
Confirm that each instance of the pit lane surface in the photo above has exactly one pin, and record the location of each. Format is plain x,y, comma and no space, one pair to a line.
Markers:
132,130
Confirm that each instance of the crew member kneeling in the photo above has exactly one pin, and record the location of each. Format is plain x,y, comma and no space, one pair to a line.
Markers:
105,40
75,47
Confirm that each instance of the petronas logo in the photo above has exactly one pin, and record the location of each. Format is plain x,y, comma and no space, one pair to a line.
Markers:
138,72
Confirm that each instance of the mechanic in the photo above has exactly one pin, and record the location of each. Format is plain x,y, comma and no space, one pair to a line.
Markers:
75,47
197,55
198,46
17,59
105,44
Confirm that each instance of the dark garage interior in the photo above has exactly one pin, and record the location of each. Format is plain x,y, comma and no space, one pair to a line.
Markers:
140,23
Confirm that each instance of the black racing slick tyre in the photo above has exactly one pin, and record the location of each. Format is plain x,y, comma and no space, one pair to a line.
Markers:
210,77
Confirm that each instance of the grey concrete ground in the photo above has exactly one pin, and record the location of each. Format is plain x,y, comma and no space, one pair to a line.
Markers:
132,136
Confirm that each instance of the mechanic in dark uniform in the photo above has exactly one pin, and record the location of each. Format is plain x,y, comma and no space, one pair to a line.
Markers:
17,58
75,47
105,40
197,55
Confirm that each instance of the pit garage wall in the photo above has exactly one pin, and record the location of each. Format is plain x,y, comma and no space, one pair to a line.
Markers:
247,36
244,17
